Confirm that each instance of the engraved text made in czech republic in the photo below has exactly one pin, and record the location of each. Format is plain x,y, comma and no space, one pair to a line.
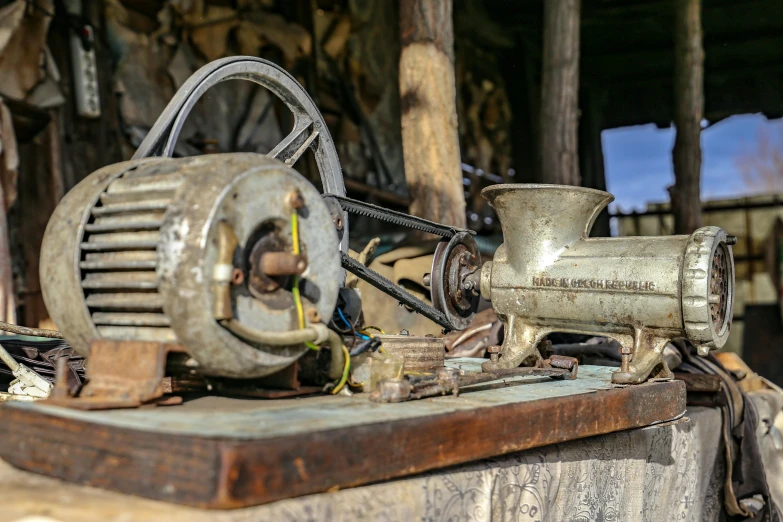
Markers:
599,284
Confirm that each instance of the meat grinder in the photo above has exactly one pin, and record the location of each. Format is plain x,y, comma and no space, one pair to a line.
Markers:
549,276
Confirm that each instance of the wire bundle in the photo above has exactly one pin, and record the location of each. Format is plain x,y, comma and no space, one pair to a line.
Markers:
300,309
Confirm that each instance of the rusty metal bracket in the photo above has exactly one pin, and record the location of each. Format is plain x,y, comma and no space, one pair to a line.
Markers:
120,374
450,380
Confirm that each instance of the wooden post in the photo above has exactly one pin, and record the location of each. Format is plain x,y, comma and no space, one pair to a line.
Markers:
591,154
430,143
688,113
558,142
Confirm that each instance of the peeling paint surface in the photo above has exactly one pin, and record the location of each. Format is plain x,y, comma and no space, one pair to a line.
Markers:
248,419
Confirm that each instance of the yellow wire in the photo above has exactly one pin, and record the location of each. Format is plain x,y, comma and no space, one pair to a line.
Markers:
375,328
368,334
295,232
300,308
295,289
346,371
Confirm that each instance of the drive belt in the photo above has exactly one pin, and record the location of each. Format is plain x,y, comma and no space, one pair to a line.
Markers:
361,208
395,291
377,280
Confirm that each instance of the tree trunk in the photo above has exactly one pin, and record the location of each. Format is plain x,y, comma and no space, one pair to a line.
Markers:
558,156
430,142
688,113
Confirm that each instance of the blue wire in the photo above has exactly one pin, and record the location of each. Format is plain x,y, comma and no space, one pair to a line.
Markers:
357,334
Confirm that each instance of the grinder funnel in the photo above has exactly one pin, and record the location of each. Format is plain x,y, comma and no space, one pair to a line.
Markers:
540,220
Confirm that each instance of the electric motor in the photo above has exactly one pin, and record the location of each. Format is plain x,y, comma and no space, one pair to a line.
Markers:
151,249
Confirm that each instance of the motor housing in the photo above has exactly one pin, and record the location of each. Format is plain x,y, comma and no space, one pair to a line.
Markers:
132,253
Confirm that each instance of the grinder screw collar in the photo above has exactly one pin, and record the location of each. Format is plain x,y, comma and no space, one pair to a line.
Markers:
707,288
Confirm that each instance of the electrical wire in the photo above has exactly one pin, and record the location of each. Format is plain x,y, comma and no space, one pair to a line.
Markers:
371,336
295,289
346,371
374,328
352,327
366,346
300,308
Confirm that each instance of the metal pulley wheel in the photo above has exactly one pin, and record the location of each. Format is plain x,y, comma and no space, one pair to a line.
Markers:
454,279
309,131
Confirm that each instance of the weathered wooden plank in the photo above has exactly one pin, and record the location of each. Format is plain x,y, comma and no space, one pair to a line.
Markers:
188,464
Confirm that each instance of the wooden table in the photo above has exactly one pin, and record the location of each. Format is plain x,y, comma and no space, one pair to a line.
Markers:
218,452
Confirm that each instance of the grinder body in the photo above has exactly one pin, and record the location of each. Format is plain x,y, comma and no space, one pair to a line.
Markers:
549,276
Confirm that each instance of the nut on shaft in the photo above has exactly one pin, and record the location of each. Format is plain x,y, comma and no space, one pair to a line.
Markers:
283,263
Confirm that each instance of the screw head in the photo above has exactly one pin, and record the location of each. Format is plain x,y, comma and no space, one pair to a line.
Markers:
338,222
296,200
494,353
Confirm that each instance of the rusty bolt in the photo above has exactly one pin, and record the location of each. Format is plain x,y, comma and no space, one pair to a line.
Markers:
283,263
296,200
237,276
338,222
494,353
313,316
561,361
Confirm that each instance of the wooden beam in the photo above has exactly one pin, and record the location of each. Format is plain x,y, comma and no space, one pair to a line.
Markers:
430,142
558,141
688,114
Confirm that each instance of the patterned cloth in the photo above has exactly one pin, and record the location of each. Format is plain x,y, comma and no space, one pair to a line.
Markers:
661,473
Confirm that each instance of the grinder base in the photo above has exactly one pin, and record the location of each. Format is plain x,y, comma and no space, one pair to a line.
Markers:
642,352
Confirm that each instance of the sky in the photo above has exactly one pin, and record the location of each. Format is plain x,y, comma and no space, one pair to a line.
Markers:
639,168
